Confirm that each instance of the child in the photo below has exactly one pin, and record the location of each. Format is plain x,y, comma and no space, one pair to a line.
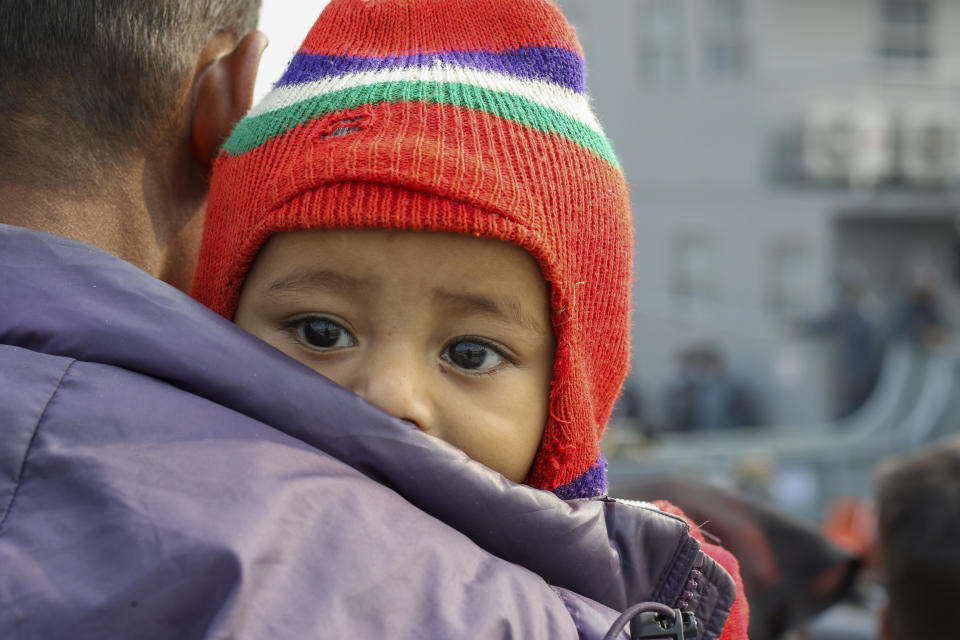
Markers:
918,508
469,119
426,210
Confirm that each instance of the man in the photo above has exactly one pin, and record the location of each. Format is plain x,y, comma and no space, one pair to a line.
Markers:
918,522
859,347
164,474
111,116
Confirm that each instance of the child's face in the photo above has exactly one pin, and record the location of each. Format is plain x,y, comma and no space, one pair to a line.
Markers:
450,332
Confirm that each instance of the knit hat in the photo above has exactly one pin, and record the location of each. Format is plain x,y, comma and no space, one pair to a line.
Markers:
463,116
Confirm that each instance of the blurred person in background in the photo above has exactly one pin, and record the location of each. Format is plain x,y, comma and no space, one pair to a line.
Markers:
853,325
680,398
707,396
916,317
918,527
724,401
630,406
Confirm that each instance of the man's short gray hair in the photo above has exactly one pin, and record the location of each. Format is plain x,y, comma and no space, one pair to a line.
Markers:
81,81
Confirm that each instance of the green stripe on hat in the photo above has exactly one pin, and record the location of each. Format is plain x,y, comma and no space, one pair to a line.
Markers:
254,131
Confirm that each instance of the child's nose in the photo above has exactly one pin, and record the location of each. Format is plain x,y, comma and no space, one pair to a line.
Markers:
395,387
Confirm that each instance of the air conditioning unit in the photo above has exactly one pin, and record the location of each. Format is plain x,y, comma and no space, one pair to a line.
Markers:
848,142
930,145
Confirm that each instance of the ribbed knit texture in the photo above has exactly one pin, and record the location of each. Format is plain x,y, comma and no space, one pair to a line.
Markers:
464,116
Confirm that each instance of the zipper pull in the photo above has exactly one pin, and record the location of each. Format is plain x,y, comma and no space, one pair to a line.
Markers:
652,624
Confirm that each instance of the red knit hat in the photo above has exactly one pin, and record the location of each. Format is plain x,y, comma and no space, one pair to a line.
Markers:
464,116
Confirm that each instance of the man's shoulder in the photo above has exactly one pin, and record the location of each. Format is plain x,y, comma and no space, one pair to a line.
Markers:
70,269
132,340
65,298
28,381
31,247
157,507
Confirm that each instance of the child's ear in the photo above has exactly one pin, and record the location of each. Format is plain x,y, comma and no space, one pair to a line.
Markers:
223,92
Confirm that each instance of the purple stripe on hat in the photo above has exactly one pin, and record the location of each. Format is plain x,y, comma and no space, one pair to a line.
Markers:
551,64
590,484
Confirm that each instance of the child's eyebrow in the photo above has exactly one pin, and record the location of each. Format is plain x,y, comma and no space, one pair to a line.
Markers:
504,308
306,279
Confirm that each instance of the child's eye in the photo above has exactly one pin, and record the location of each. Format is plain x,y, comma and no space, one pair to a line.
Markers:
323,333
473,354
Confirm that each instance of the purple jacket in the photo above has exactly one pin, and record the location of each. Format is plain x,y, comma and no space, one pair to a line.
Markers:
165,475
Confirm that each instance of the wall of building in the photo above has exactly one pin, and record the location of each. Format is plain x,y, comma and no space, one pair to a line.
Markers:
729,246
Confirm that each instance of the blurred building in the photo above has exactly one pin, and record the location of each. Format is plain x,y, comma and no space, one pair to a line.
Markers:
765,142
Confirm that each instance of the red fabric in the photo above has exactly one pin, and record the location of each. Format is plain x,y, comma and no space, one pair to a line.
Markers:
738,622
427,166
374,29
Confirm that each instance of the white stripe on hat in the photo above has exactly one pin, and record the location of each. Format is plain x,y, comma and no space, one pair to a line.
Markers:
546,94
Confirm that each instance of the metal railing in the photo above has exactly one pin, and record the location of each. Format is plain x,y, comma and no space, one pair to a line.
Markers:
916,401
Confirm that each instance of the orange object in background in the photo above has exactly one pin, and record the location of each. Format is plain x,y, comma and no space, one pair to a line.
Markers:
851,523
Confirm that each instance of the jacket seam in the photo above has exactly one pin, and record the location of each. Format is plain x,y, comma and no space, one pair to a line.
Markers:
713,592
574,615
682,553
669,586
26,453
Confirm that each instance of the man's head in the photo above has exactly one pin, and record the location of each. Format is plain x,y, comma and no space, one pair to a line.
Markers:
918,505
851,280
83,85
924,281
461,117
110,116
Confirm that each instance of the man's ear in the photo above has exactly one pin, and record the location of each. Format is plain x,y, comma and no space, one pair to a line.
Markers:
223,92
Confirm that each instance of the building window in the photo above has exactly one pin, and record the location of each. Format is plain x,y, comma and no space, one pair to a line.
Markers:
661,40
906,30
726,46
789,275
694,267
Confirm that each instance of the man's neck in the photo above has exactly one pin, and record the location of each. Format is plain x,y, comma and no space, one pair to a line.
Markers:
132,219
114,222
